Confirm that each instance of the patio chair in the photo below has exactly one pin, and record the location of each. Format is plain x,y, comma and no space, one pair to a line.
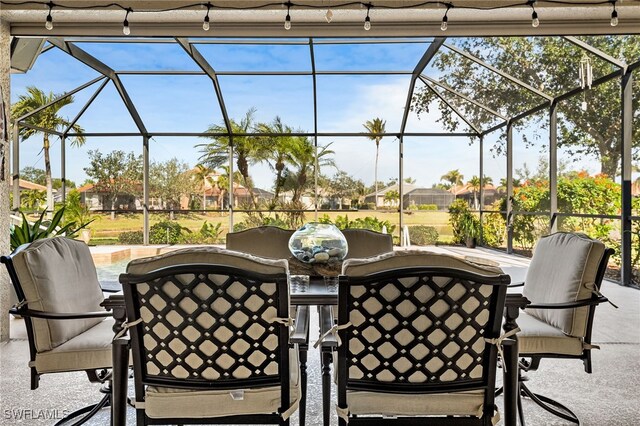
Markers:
210,334
563,285
273,243
418,338
59,298
264,241
367,243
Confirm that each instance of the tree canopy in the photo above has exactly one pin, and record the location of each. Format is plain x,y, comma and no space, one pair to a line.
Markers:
548,64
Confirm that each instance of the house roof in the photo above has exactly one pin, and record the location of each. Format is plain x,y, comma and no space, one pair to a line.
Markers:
406,188
467,189
26,185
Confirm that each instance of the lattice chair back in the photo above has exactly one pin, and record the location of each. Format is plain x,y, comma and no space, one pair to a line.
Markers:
367,243
208,327
265,241
410,335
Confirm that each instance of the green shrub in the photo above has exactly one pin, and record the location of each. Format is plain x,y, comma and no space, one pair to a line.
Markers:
422,235
131,237
412,207
493,229
166,232
208,234
369,222
431,207
457,211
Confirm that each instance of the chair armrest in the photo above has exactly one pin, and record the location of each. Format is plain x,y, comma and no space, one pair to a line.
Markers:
326,323
58,315
512,285
300,334
569,305
108,290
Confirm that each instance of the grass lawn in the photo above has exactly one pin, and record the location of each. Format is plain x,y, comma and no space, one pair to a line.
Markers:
105,228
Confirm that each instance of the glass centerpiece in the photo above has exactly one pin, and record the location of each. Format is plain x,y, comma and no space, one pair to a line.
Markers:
318,243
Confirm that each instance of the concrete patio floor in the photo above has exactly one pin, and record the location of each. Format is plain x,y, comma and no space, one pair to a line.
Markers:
609,396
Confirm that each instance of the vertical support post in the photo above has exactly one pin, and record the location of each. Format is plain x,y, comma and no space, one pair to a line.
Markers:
63,167
315,176
509,186
231,200
481,171
145,189
627,123
553,167
16,167
401,189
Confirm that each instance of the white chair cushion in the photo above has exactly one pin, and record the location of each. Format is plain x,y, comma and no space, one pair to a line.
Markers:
58,275
467,403
162,402
366,243
88,350
209,255
538,337
266,241
408,259
563,269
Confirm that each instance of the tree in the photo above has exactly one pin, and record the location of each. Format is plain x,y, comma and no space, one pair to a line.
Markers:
550,64
454,177
202,174
33,199
279,154
343,185
376,128
116,173
303,161
246,150
48,119
170,181
391,197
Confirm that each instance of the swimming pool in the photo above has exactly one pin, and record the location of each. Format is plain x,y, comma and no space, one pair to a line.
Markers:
108,274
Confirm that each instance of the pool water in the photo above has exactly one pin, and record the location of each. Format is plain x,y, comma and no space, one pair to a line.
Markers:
108,274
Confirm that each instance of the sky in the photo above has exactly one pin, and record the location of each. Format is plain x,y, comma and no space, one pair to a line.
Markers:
188,104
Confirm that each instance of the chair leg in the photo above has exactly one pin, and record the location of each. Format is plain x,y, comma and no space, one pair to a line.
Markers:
86,412
550,405
326,387
303,384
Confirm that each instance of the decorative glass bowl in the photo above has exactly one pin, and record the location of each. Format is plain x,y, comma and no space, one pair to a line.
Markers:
318,243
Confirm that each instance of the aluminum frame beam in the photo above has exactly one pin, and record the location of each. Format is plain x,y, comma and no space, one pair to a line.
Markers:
501,73
597,52
105,70
453,108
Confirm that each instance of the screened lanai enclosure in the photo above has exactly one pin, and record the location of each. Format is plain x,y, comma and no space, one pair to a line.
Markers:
268,108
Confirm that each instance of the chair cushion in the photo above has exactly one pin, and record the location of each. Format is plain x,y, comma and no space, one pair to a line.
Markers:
88,350
407,259
469,403
58,275
209,255
163,402
538,337
265,241
366,243
563,269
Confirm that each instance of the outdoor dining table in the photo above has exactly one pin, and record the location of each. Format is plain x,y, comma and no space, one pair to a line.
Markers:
323,294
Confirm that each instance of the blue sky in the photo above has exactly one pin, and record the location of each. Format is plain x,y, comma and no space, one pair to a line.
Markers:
188,104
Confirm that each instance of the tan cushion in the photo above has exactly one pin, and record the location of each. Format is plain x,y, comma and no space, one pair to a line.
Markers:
209,256
86,351
264,241
162,402
58,275
407,259
562,268
366,243
538,337
467,403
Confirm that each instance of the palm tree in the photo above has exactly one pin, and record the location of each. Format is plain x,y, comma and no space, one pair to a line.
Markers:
474,184
246,150
376,128
454,177
47,119
279,154
203,175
